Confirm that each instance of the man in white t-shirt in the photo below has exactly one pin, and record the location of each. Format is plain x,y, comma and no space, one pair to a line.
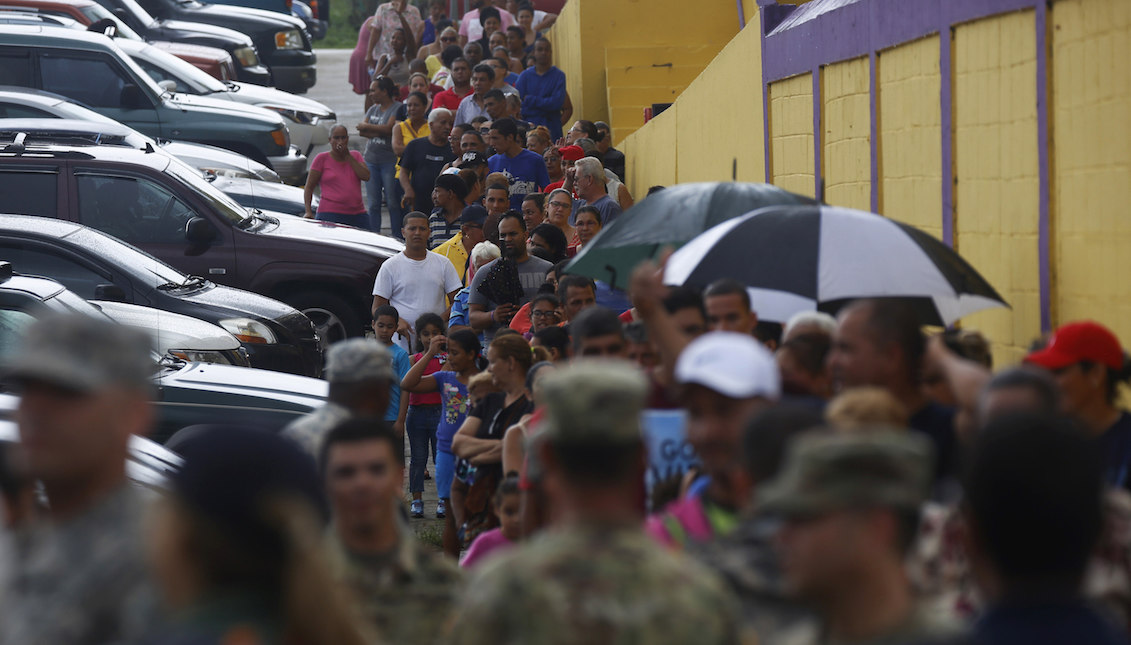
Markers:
415,281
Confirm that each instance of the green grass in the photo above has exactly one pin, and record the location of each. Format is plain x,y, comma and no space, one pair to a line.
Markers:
341,34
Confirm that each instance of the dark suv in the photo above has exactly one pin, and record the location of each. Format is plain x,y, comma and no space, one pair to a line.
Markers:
166,208
282,41
98,267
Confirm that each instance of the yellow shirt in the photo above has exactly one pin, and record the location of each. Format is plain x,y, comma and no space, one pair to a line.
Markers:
456,254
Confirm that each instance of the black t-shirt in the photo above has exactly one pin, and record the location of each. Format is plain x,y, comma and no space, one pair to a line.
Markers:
424,161
1115,447
496,417
937,422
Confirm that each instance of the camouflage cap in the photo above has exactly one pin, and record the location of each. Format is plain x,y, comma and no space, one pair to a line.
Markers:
594,401
827,472
82,353
358,359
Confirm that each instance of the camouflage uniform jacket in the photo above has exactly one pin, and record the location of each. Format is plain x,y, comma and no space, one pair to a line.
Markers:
309,429
80,581
595,584
407,596
748,563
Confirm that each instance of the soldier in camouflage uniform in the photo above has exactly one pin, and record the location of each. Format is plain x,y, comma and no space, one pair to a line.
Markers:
78,576
359,371
850,508
404,592
595,577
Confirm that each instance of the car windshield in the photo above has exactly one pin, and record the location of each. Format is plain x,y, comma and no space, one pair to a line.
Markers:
141,14
221,203
156,271
198,80
96,12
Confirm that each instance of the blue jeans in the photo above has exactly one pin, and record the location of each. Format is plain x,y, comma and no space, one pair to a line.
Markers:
445,473
358,219
420,425
382,179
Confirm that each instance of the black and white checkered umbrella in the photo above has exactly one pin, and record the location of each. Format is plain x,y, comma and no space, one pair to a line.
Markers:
804,258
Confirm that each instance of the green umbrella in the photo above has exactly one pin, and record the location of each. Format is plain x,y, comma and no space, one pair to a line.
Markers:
670,218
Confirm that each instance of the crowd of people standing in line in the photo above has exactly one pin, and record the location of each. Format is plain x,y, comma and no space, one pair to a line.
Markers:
855,479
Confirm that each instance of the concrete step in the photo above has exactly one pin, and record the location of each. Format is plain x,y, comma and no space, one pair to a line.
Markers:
627,116
625,96
689,55
649,75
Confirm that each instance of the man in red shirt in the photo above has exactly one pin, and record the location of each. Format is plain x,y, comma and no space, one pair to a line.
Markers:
461,86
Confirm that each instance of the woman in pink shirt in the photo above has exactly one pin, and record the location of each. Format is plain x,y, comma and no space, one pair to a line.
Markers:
338,174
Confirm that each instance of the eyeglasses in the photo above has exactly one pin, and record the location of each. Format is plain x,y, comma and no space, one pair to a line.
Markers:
547,314
560,204
448,40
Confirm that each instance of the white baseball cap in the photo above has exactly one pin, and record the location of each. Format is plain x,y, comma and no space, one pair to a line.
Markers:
734,365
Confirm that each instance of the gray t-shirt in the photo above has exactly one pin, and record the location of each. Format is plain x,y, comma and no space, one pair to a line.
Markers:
531,273
605,205
380,149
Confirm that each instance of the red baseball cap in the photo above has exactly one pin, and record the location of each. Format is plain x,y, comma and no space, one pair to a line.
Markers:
571,153
1077,342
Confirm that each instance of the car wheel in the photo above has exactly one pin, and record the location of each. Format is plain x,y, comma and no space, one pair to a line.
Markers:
333,319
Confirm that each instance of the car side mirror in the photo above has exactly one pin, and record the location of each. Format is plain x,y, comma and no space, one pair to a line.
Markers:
169,85
109,292
199,231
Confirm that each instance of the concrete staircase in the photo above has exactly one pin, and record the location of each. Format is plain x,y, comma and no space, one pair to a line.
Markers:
637,77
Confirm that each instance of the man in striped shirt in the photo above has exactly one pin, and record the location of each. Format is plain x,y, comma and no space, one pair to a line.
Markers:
447,196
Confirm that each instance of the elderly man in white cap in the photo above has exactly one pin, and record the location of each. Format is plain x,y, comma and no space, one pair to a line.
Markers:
724,378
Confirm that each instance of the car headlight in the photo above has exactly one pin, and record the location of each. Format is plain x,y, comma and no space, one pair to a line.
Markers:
281,137
246,56
289,39
201,356
298,116
234,173
249,331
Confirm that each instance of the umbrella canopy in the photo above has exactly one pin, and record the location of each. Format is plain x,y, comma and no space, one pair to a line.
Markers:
671,217
802,258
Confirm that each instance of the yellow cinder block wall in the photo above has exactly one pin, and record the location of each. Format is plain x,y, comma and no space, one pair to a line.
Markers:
713,130
586,27
1090,112
998,192
847,146
995,151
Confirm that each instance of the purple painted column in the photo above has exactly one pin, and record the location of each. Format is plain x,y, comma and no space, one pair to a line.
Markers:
946,104
1044,239
874,116
741,15
818,180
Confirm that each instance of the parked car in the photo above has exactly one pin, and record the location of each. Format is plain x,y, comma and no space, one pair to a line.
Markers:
316,25
132,21
98,267
90,69
183,337
281,40
309,122
211,61
165,208
26,103
186,393
276,198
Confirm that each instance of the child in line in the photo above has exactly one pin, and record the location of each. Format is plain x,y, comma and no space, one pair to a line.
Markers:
508,506
424,412
385,321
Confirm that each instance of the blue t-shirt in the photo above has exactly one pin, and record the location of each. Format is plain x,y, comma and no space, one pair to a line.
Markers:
454,406
526,173
542,98
401,365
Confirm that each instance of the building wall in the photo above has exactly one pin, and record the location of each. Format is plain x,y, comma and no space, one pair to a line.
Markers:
847,137
1002,127
1091,105
997,191
586,27
713,130
909,134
